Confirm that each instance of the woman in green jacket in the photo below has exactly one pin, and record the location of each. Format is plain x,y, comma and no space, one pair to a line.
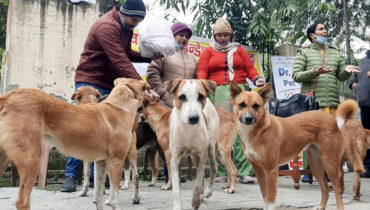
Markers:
319,68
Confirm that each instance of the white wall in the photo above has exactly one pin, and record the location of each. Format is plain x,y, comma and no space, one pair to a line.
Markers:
44,41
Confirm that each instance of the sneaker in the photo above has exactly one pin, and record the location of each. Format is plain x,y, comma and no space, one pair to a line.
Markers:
248,180
221,179
69,184
306,179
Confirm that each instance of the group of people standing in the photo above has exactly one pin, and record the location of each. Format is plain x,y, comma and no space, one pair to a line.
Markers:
107,55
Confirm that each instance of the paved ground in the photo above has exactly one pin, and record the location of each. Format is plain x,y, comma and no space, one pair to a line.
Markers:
245,197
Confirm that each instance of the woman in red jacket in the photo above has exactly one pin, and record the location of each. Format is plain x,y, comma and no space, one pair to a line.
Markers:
223,62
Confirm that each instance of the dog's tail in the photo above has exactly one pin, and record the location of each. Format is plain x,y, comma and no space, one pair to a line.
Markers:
346,110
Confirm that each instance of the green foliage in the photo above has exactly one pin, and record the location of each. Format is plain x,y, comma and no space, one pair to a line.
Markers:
266,24
3,17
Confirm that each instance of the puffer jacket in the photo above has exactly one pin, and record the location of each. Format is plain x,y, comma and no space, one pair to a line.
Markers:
363,87
304,71
181,65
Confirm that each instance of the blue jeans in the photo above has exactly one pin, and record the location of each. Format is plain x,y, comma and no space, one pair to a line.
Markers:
73,163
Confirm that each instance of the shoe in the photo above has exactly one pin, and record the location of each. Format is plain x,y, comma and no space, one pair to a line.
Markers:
69,184
91,183
306,179
183,180
366,174
248,180
221,179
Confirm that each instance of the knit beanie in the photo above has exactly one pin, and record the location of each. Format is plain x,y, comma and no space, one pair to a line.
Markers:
133,8
177,27
222,26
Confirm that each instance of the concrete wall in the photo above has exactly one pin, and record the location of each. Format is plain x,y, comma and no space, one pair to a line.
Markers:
44,41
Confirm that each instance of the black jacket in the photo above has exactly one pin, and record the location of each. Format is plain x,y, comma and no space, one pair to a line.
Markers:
363,87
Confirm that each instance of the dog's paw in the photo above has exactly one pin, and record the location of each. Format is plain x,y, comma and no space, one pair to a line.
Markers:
124,187
82,194
208,193
165,187
136,200
317,208
229,191
151,184
356,198
196,203
108,203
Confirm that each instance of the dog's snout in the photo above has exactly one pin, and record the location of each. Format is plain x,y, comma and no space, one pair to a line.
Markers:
194,119
248,119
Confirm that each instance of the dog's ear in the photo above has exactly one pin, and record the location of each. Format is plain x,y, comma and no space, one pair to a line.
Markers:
97,94
265,91
118,80
145,86
172,85
235,90
76,95
209,85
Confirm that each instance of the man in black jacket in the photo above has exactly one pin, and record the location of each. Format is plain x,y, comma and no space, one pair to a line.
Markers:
361,84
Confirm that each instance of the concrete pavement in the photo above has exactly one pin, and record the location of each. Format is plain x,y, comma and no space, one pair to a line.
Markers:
247,196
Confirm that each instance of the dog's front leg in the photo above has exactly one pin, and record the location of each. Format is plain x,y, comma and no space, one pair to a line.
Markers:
199,181
175,160
99,174
213,167
85,187
272,185
115,173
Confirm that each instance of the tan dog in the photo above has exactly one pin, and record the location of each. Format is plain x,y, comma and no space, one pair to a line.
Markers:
158,118
193,130
357,140
105,136
86,95
272,141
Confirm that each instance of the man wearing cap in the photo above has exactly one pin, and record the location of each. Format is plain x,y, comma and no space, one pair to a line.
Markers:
106,56
181,65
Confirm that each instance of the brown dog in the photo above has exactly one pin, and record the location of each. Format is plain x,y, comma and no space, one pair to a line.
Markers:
272,141
86,95
357,140
90,132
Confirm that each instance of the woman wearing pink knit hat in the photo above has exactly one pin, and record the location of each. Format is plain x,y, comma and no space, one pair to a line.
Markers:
181,65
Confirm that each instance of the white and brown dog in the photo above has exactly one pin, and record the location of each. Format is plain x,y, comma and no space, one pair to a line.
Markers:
272,141
193,130
90,132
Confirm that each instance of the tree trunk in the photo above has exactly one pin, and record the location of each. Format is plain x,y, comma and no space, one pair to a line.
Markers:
346,30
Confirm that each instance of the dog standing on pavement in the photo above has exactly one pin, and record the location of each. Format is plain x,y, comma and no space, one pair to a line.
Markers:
86,95
357,140
272,141
90,132
158,117
193,130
